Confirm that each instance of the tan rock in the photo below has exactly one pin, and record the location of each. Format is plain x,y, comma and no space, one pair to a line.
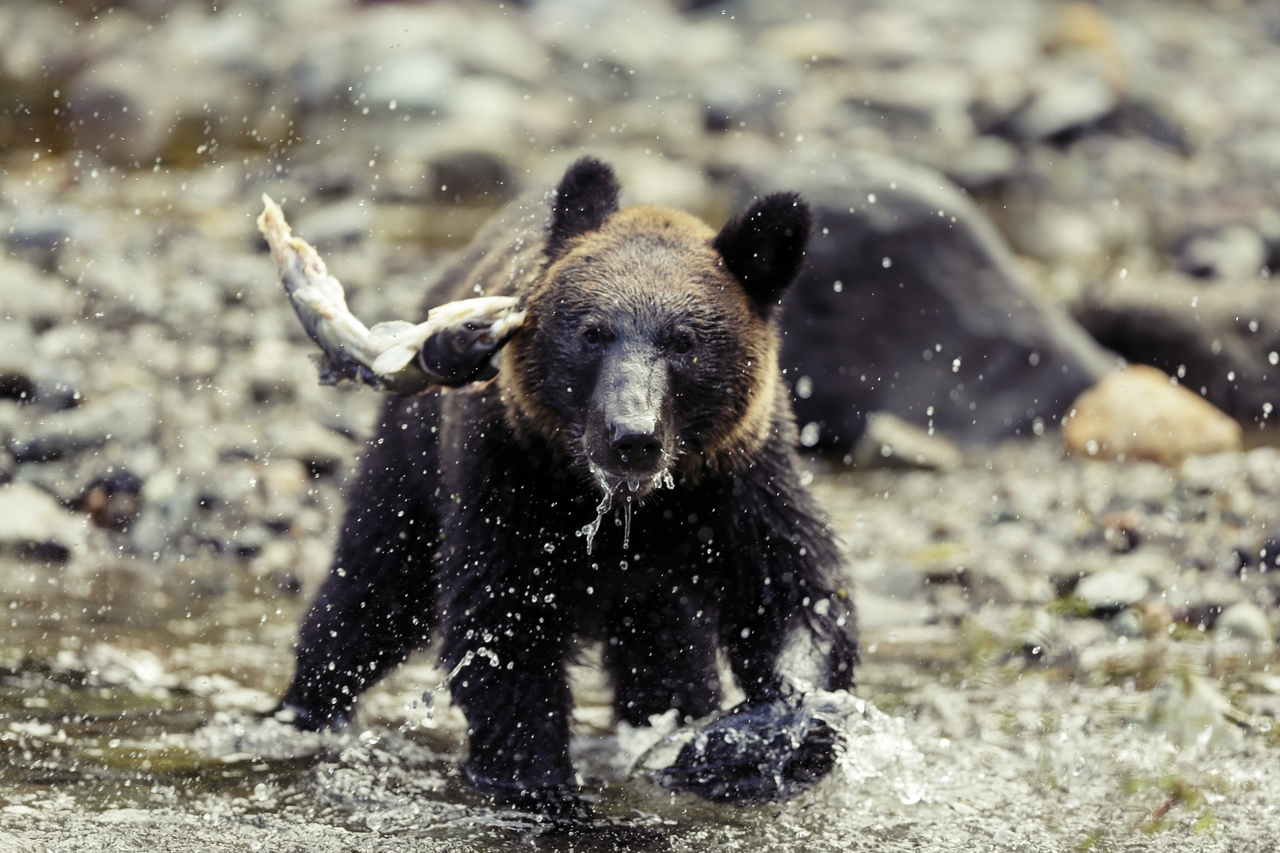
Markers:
891,442
1137,413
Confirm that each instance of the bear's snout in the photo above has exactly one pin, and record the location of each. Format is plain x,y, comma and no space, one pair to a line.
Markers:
627,426
635,443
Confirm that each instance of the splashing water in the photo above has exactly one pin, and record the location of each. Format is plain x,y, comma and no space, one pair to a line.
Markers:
663,479
626,529
429,695
606,503
872,753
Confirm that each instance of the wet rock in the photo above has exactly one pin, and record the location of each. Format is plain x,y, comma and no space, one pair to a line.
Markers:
169,502
1219,341
31,296
890,442
1235,252
39,232
128,417
1245,620
1111,590
1127,623
322,451
1138,414
1066,97
1122,530
226,694
108,664
1209,474
17,382
113,500
33,524
1201,601
983,162
156,94
417,80
337,226
912,304
470,177
1058,234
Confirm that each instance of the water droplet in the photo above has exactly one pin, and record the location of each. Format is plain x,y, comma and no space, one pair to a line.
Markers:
591,529
626,530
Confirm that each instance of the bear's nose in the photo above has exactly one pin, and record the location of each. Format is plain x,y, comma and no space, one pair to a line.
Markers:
636,446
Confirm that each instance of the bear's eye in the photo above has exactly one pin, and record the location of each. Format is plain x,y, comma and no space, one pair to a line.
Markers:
593,336
682,345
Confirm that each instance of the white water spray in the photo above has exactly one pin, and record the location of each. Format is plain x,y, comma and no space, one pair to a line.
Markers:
606,503
429,696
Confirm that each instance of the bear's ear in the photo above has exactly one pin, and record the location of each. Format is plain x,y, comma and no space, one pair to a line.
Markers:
586,197
764,247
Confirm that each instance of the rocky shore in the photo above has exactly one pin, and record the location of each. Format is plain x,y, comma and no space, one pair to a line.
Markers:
171,473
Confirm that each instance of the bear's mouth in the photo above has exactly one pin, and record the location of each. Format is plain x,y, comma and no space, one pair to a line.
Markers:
630,489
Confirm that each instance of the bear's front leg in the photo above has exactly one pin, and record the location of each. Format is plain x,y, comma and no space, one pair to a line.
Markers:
508,659
779,582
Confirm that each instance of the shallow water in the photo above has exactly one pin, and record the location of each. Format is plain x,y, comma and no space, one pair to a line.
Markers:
138,727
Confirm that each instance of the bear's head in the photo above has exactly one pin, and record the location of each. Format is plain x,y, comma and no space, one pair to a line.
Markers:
650,344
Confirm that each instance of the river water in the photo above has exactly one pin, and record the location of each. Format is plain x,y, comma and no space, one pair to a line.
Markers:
129,719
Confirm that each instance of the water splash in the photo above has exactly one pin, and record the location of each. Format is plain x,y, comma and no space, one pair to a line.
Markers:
662,479
429,695
606,503
872,753
626,528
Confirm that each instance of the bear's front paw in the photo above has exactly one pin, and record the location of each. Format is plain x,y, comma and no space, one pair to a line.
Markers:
755,754
561,803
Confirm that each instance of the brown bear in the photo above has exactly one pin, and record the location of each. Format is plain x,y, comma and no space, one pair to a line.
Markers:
643,387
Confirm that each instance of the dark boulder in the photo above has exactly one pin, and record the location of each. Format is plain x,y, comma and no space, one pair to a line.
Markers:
911,303
1221,340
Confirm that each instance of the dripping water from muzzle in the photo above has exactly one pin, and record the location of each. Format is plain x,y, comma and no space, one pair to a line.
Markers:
626,529
606,502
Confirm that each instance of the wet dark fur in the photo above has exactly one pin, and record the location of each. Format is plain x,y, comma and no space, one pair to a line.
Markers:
463,521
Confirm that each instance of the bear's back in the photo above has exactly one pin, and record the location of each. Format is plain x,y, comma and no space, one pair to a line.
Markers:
505,255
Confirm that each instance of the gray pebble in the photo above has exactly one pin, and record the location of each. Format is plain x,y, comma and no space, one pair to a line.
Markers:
1112,589
891,442
1246,621
128,417
33,523
1126,623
